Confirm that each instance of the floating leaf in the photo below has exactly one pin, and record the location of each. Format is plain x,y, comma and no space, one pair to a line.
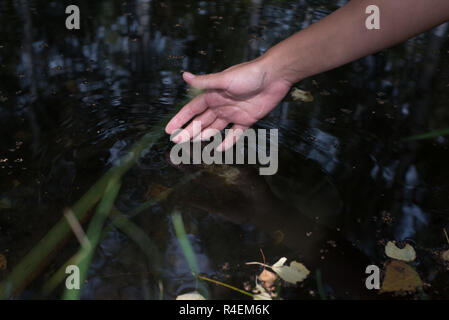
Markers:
3,262
229,174
405,254
294,273
280,263
268,279
400,277
190,296
304,96
263,294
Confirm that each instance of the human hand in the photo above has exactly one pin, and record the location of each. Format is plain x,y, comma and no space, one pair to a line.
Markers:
241,95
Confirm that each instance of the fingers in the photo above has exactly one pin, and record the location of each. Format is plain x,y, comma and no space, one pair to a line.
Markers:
195,127
216,126
208,81
231,138
194,107
197,105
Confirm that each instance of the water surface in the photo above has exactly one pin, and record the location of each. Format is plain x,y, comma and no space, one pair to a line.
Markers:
73,102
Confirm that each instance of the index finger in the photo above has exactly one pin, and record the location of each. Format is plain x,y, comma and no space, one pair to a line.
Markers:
194,107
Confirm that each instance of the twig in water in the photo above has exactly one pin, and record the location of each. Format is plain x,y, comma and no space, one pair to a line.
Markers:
77,229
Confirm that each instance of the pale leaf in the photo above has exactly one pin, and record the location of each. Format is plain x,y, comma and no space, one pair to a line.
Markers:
280,263
304,96
405,254
263,295
294,273
190,296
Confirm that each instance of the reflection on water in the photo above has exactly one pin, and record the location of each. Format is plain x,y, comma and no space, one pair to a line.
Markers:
72,103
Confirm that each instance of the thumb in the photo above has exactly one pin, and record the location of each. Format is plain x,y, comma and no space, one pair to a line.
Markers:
207,81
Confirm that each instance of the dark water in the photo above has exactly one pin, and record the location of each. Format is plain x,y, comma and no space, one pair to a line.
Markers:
73,102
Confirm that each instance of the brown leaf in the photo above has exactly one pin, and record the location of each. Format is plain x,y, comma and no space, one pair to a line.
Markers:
268,279
400,277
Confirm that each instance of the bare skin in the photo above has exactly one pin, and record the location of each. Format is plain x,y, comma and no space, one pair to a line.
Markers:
243,94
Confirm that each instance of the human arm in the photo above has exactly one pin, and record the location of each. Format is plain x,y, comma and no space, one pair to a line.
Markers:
245,93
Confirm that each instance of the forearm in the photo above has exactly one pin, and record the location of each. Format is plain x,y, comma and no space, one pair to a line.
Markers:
342,37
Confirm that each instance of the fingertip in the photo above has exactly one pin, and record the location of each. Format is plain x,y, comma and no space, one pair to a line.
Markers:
188,76
168,128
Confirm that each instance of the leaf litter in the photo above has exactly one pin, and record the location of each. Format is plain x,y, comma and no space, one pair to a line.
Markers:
400,277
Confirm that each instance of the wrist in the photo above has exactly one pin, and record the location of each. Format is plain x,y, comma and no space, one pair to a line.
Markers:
279,68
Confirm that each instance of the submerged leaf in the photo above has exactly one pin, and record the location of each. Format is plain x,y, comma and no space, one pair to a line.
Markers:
190,296
157,191
3,262
445,255
278,236
405,254
5,203
304,96
229,174
400,277
294,273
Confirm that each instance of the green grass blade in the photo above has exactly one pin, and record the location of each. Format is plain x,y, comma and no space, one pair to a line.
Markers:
184,242
430,135
93,235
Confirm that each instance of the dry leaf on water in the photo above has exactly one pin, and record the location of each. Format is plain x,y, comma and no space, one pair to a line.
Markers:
304,96
268,279
190,296
400,277
405,254
3,262
294,273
